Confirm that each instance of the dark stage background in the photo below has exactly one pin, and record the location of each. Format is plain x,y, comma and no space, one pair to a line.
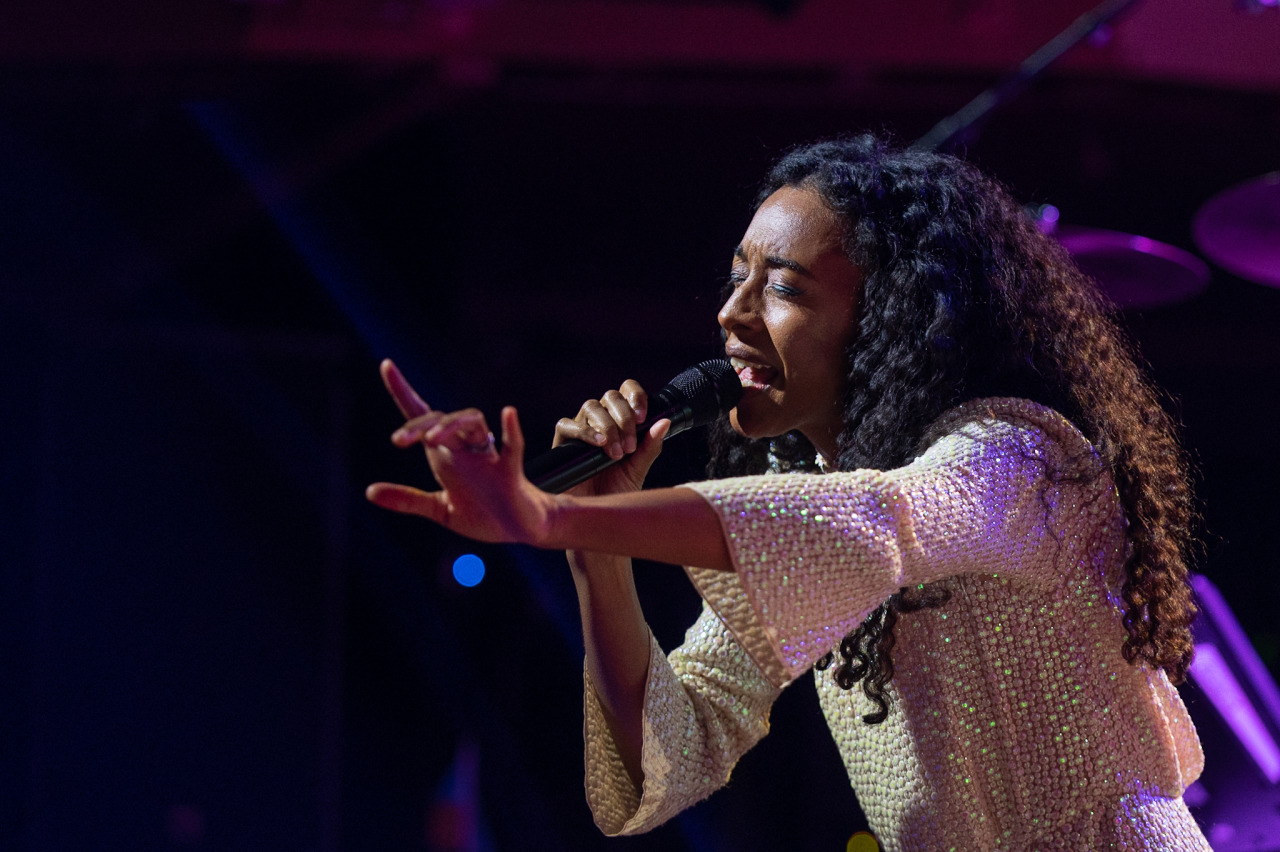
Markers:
212,233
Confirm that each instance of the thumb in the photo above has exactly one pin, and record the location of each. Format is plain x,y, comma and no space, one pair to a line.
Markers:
652,446
409,501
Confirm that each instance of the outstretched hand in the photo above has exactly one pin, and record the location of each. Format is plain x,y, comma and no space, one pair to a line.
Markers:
484,494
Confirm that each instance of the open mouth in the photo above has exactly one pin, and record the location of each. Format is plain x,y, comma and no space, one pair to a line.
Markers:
752,375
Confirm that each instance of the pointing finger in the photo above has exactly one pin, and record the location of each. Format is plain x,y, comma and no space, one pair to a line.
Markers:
406,398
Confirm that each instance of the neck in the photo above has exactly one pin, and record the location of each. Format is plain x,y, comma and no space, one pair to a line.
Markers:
827,445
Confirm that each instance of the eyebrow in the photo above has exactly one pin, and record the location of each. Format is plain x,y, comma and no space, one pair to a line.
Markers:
772,260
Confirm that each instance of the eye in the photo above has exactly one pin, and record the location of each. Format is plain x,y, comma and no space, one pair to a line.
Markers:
783,290
731,283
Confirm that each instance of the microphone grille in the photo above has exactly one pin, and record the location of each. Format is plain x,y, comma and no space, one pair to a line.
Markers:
709,388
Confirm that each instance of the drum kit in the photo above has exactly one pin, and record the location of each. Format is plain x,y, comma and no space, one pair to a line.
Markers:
1238,229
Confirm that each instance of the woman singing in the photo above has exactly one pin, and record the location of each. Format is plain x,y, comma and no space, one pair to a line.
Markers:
947,486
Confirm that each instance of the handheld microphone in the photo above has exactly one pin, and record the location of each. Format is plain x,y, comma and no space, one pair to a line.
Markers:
694,398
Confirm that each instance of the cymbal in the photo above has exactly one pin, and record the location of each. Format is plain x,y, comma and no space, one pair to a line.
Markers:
1135,272
1239,229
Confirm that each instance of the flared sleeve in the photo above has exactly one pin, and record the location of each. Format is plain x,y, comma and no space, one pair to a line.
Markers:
704,707
814,554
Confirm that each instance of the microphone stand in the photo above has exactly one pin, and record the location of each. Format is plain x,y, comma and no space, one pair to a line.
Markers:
956,127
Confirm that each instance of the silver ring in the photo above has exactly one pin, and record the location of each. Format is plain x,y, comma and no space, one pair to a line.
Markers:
483,447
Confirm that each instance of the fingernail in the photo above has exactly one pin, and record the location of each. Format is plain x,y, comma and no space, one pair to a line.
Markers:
629,443
615,450
597,438
399,436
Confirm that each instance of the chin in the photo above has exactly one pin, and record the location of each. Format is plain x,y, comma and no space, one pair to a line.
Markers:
749,426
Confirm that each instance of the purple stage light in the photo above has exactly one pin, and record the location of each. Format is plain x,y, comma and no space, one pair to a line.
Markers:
1046,216
1241,649
1213,675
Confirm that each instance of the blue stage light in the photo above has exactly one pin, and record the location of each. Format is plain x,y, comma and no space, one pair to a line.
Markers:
468,569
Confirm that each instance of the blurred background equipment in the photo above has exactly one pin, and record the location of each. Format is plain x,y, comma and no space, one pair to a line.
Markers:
1239,229
219,215
1135,272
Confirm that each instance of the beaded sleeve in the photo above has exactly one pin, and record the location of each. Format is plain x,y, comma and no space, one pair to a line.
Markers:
704,707
813,555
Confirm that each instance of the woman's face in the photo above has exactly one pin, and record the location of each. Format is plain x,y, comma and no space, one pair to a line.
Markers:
790,318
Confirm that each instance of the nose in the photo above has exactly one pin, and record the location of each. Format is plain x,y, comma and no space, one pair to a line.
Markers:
741,311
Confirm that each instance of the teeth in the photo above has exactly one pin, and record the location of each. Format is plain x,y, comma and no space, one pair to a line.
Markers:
753,375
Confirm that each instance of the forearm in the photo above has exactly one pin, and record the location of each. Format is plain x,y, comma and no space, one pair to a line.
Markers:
673,525
669,525
616,637
600,533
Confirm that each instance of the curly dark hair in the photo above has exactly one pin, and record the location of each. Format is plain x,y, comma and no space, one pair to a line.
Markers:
964,298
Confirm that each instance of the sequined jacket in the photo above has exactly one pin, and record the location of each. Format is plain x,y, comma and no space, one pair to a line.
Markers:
1014,722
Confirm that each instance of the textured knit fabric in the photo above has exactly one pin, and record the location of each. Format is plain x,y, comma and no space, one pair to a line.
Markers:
1014,723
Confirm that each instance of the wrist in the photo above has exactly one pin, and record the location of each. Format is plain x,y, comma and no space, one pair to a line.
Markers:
565,522
554,534
591,564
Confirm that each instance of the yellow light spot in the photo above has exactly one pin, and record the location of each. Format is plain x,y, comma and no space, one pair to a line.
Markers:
862,841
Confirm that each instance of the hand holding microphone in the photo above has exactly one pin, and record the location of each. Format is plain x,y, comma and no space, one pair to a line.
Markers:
608,429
